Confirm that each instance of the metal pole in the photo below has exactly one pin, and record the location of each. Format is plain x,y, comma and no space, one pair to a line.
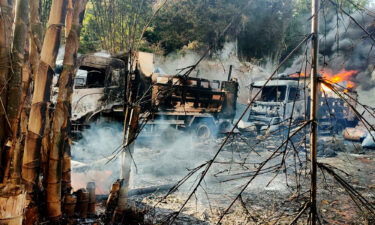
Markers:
313,107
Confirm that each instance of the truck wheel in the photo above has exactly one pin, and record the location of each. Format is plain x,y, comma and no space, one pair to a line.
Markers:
203,131
225,127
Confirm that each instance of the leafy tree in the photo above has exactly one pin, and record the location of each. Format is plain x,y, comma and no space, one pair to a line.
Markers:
185,21
260,31
89,40
266,28
114,25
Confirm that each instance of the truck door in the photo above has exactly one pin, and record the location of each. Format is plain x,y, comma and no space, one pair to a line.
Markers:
294,104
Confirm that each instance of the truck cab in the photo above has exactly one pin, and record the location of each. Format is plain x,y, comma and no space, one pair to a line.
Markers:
276,102
174,101
285,97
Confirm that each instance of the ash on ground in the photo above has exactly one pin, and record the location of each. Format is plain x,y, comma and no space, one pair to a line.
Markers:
275,196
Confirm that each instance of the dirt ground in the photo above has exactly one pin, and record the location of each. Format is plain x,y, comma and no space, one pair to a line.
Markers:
275,196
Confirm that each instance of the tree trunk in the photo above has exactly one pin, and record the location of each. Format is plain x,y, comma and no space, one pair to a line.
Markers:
6,22
61,118
14,92
41,97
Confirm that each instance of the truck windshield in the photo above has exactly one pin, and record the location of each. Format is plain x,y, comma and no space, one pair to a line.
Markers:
273,94
88,77
80,79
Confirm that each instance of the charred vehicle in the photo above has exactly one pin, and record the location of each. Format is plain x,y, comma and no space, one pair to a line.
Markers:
286,97
167,101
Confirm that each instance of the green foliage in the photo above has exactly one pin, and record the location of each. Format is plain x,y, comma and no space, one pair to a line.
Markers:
114,25
265,31
268,28
261,29
44,11
185,21
89,40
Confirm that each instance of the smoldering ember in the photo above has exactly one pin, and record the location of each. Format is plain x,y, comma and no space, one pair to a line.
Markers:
187,112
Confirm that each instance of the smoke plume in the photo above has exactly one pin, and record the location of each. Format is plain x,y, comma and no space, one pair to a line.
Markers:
217,67
345,46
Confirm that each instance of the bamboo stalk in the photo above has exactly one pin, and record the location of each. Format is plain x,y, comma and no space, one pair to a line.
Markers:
61,118
130,132
14,92
12,201
41,97
69,18
20,140
112,201
36,35
36,38
6,22
66,183
314,109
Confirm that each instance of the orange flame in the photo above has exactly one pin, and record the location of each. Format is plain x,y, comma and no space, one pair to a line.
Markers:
324,88
329,75
298,75
342,76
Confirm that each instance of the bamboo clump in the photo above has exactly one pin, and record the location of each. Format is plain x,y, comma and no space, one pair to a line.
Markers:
40,100
59,158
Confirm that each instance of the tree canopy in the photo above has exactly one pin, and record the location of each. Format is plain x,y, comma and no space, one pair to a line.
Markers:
265,28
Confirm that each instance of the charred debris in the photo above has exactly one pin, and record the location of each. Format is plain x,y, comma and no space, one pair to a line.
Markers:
206,109
181,102
254,163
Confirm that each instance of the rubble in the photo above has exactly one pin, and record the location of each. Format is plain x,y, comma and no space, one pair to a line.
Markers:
369,141
354,134
277,202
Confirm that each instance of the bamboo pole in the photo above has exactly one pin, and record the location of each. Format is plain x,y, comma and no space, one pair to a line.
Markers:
14,91
23,116
36,35
313,108
61,118
12,202
6,22
41,97
69,17
130,132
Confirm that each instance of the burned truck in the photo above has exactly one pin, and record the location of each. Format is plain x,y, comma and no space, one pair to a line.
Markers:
204,107
286,97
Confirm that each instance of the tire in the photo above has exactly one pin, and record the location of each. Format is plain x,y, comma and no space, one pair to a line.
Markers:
225,127
203,131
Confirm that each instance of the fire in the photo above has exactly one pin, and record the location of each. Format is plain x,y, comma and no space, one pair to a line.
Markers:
343,77
340,77
297,75
324,88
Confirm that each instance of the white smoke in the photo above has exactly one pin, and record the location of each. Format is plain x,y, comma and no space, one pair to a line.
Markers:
217,67
344,45
91,156
157,159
